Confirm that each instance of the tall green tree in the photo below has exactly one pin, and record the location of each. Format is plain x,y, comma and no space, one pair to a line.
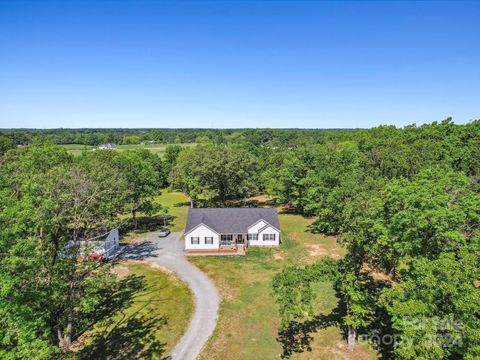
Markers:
47,205
215,173
435,310
142,173
6,144
293,291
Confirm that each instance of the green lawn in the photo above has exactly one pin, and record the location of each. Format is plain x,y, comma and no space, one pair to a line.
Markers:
149,319
79,147
248,323
76,149
177,204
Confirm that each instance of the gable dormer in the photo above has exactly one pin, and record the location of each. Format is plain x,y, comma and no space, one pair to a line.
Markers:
255,227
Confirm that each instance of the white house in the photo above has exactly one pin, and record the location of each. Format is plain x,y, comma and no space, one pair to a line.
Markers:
107,146
217,228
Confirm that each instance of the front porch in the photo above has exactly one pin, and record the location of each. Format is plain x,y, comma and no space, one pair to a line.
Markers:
229,244
231,251
233,240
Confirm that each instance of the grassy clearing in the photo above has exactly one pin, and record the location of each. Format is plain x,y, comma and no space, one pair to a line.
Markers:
76,149
248,323
177,204
149,316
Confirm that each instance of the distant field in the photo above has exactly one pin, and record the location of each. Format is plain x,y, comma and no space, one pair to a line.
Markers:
76,149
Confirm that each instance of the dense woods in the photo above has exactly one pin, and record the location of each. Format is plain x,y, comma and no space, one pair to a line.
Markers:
164,136
405,203
49,202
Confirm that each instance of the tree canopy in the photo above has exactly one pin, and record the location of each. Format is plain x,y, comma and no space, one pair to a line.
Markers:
49,202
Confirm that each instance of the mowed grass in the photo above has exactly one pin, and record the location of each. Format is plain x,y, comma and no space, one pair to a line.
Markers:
76,149
153,309
248,326
178,205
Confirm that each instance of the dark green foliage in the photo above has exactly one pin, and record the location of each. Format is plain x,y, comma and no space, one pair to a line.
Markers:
49,201
6,144
215,173
406,203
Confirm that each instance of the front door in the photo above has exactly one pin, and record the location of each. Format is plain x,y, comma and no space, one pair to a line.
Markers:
240,239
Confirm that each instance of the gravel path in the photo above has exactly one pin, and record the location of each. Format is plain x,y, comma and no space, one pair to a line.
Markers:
168,252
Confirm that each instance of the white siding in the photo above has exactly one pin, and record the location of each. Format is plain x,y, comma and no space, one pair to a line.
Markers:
201,232
254,228
261,242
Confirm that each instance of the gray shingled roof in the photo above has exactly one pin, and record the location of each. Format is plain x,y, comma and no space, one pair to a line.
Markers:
230,220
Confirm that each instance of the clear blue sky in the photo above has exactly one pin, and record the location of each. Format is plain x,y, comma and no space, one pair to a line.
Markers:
237,64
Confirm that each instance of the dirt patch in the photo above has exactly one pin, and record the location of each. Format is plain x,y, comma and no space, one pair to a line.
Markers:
378,275
279,256
340,351
336,254
227,293
158,266
317,250
121,271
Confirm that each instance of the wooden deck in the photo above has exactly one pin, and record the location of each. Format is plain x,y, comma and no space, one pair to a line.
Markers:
235,251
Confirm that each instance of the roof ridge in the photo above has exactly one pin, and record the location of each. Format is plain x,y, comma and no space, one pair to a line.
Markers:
234,208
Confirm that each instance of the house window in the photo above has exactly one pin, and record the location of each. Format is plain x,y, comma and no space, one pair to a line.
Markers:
195,240
226,239
208,240
268,237
252,236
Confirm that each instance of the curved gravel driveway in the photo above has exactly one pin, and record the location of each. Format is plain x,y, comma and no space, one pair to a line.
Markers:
168,252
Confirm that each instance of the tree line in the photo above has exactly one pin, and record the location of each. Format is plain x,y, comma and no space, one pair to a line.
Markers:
95,137
406,205
49,202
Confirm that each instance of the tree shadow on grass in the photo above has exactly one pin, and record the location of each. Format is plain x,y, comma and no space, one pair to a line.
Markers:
131,337
182,204
317,228
147,223
117,334
297,337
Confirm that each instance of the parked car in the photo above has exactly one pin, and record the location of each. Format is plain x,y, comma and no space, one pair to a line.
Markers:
163,232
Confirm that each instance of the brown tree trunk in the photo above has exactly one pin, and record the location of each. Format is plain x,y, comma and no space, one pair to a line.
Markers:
351,336
134,218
